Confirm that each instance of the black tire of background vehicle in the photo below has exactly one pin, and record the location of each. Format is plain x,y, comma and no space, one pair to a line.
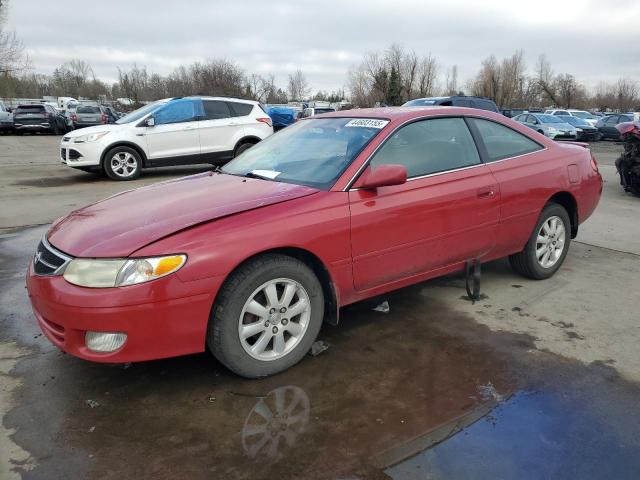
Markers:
541,132
107,163
525,262
222,332
242,148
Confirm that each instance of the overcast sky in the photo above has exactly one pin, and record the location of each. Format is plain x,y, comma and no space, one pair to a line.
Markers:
593,39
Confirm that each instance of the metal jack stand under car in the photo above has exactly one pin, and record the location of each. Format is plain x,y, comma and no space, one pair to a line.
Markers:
473,272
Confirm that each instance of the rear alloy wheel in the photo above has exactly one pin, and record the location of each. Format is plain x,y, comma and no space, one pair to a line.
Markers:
548,245
243,148
266,317
122,163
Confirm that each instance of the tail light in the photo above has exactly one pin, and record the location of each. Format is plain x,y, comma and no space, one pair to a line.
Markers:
104,119
266,120
594,164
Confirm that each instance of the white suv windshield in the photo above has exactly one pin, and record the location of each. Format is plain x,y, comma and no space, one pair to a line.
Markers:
141,112
312,152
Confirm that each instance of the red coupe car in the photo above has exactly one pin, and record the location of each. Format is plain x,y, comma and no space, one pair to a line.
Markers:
248,260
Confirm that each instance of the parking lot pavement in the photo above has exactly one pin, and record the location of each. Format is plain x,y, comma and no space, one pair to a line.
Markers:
536,380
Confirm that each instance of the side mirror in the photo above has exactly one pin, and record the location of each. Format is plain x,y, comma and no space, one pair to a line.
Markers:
382,176
150,122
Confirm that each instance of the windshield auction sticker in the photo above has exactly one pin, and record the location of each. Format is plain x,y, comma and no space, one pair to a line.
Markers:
367,123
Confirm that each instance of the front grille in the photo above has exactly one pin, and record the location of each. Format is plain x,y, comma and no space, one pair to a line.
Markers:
48,260
53,329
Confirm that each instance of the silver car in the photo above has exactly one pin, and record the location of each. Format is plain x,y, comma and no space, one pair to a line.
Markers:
549,125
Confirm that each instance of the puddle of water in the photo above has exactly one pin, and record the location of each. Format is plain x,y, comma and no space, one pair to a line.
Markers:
533,436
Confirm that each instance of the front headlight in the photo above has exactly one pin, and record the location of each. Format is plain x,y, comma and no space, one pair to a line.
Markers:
578,129
552,130
96,273
91,137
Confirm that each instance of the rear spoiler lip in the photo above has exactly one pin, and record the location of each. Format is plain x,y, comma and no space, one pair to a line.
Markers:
580,144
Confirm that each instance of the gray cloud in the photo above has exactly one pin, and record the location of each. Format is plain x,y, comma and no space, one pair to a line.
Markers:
589,38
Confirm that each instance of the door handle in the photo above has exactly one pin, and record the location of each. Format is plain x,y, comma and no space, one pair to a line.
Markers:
486,192
189,128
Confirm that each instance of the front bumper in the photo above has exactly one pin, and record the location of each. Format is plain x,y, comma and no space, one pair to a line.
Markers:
563,136
162,318
80,154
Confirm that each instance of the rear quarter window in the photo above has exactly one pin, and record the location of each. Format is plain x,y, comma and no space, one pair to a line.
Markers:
239,109
502,142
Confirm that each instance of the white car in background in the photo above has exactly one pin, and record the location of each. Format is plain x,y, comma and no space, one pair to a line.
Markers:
590,118
173,131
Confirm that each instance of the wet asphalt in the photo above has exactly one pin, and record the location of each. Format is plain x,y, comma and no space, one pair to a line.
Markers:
420,392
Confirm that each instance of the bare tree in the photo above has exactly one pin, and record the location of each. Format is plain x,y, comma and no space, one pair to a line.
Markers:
12,55
298,86
427,76
451,81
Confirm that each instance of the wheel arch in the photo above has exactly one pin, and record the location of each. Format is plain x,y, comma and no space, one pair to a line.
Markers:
132,145
329,288
568,201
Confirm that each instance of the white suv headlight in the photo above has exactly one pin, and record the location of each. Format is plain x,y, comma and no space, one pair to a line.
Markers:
552,130
95,273
90,137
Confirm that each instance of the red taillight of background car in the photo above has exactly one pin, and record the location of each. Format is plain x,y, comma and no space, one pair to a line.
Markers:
104,119
266,120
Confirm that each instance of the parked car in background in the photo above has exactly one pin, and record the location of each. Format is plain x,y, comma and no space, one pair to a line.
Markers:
313,111
113,115
38,118
91,115
583,114
6,118
481,103
281,115
551,126
512,112
250,260
584,129
174,131
607,125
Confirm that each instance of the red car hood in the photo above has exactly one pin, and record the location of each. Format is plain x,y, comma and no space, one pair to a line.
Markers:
126,222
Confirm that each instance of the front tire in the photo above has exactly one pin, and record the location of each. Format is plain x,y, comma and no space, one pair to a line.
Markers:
122,163
548,245
266,317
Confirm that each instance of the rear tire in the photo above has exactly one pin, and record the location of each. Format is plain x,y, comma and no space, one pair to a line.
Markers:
122,163
242,148
273,341
542,256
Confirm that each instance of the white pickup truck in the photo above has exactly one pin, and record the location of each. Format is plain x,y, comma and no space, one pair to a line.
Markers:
6,118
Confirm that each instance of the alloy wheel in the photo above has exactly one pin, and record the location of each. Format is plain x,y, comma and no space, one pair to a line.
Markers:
124,164
550,242
274,319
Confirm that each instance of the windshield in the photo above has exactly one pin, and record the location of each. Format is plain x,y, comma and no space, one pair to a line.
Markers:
30,109
550,119
420,102
141,112
586,115
575,121
312,152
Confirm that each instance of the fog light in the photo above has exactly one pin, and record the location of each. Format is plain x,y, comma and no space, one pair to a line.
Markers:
104,342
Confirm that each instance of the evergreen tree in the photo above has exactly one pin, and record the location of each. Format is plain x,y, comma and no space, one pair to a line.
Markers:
394,93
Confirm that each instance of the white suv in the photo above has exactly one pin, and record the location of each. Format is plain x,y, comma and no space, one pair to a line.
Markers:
174,131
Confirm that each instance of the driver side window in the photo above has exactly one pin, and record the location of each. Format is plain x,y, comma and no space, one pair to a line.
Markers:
429,146
176,112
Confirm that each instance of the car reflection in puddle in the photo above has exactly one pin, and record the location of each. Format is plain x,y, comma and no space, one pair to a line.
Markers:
275,422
